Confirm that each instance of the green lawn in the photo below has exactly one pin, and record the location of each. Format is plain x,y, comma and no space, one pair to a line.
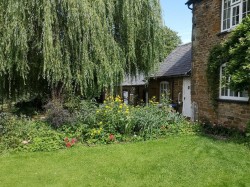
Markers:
174,161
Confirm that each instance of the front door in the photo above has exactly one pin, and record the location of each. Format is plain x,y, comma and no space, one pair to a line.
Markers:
186,110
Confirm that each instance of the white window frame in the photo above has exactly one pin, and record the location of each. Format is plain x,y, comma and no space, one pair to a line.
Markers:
236,2
232,5
228,97
164,91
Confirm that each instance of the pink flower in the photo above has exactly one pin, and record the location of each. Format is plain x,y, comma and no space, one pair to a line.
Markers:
112,137
68,145
73,141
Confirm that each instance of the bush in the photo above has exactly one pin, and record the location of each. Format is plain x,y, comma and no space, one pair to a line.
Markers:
111,122
151,121
114,116
220,129
85,112
22,134
56,115
147,122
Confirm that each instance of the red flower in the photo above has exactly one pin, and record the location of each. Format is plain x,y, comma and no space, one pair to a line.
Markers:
111,137
73,141
66,139
68,144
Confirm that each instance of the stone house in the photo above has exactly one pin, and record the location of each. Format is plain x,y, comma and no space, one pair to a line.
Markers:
213,20
170,80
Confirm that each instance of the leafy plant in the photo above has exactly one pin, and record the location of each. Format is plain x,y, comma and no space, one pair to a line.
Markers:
23,134
235,52
114,116
56,115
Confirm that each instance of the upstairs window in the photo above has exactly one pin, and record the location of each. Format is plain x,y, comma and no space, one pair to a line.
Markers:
233,11
226,92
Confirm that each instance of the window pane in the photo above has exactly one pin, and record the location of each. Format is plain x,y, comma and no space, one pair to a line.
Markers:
224,25
226,92
235,15
248,6
232,93
244,7
228,23
243,94
222,91
235,1
226,14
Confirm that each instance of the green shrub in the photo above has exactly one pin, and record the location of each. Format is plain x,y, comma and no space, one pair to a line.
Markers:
56,115
85,112
22,134
114,116
208,127
149,121
111,122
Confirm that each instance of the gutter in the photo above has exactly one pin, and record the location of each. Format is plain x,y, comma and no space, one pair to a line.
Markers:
189,3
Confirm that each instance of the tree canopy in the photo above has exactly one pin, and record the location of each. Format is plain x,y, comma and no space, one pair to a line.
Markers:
170,41
76,45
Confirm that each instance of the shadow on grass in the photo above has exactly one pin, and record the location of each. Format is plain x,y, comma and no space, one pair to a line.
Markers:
224,133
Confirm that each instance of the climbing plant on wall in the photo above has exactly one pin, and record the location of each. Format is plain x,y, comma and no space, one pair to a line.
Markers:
235,52
76,45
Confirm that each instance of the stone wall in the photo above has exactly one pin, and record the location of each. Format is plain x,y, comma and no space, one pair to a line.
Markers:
207,33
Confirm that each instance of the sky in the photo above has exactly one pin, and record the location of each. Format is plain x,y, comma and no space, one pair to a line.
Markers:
178,17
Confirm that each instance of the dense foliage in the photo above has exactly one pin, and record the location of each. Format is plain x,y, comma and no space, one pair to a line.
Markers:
170,41
216,59
81,46
238,47
111,122
235,52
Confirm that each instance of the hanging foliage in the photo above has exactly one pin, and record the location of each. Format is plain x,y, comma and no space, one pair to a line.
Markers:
76,45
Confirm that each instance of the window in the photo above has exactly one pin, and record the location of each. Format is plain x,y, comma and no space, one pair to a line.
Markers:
226,92
233,11
164,90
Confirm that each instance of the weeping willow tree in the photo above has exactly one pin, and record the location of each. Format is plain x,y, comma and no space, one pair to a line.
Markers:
80,46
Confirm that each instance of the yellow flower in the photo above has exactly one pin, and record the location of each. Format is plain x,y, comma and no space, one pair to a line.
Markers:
100,123
127,111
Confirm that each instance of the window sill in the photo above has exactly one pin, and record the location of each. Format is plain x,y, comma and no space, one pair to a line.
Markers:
222,33
226,31
233,101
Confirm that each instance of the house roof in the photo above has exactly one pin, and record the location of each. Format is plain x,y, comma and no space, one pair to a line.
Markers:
178,62
134,81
